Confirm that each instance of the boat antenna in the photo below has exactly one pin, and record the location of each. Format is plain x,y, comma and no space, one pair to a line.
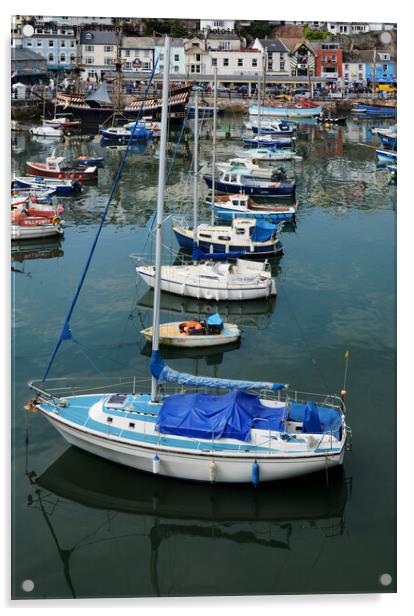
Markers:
213,174
344,391
160,212
195,175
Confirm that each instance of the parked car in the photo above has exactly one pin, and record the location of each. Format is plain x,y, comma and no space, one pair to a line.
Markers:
301,93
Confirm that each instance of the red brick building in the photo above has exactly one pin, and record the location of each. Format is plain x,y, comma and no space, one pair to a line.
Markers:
329,63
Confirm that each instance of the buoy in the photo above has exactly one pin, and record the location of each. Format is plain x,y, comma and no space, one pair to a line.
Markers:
255,474
212,470
155,464
343,393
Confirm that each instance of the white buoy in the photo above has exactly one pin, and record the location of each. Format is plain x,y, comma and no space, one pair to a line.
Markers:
155,464
212,470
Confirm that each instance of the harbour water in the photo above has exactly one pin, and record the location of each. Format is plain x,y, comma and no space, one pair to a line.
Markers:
83,527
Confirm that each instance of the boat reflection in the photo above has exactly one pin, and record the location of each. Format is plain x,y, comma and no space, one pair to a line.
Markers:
255,312
213,356
28,250
172,519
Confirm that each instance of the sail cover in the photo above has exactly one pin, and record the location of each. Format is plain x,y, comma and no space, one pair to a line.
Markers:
229,415
263,231
100,95
165,374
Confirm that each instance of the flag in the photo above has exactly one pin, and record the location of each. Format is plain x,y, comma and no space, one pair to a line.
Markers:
346,354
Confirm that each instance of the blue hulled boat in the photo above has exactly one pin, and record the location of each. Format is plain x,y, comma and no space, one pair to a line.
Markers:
235,183
61,187
375,111
269,141
386,156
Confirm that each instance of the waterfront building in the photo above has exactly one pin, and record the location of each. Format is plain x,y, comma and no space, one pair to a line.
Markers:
329,64
27,66
138,54
302,57
57,45
177,56
380,65
277,56
196,56
98,52
353,69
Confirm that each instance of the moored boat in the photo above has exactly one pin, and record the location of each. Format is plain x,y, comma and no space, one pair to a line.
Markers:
60,186
304,109
235,183
53,168
195,333
227,207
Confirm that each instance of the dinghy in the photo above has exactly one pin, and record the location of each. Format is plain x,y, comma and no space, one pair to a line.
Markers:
194,333
269,141
247,167
267,155
60,186
46,131
33,227
53,168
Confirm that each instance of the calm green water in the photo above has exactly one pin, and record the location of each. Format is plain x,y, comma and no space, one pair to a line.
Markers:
84,527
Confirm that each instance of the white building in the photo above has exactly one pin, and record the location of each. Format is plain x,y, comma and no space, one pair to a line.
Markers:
353,69
98,52
217,25
137,54
235,62
276,54
177,56
197,57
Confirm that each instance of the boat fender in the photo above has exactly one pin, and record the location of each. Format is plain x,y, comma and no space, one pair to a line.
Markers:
56,220
255,474
156,464
212,471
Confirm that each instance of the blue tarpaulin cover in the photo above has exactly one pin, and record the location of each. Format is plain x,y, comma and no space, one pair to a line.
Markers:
212,417
262,232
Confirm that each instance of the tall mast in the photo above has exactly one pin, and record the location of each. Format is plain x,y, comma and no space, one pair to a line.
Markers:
259,113
213,175
195,175
160,211
118,65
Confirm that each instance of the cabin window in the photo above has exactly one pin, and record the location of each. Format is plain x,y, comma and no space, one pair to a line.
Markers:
205,235
240,231
225,238
131,425
109,419
226,178
233,178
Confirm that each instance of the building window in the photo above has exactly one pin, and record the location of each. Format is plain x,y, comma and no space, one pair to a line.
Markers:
51,43
346,67
28,43
89,60
89,48
254,62
218,24
176,57
161,56
72,58
282,66
333,59
72,43
385,67
51,57
127,53
108,61
346,75
323,59
239,61
108,48
63,43
175,69
40,43
360,76
225,61
360,67
63,58
282,56
213,61
198,57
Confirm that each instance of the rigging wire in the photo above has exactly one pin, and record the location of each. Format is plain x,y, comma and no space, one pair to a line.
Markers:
65,333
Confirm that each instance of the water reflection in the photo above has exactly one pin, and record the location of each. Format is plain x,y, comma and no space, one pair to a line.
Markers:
167,517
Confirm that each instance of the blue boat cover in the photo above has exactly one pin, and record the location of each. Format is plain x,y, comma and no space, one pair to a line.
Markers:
215,319
262,231
165,374
324,419
229,415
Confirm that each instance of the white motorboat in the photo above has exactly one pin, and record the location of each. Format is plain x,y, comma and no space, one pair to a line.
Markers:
247,167
51,132
35,227
267,155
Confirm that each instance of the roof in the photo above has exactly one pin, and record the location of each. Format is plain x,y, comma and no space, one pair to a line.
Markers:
138,42
98,37
274,45
175,42
20,53
294,43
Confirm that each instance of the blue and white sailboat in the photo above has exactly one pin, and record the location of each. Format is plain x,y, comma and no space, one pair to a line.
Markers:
257,431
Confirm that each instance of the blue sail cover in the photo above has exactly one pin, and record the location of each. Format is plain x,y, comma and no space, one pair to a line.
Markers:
204,416
263,232
165,374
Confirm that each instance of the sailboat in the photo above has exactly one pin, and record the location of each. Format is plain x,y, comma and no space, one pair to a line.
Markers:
257,431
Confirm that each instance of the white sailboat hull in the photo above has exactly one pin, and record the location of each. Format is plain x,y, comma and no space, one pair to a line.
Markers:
195,466
183,280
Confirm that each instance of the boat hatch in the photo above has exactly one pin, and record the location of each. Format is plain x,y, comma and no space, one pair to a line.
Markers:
117,401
